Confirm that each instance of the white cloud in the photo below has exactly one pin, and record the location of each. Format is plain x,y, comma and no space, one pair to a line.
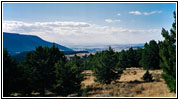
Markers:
76,33
111,21
153,12
144,13
135,12
118,14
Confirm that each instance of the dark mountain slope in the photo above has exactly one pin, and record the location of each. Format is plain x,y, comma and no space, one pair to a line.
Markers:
15,43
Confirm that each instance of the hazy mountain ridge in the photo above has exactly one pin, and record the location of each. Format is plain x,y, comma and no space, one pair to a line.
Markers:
96,48
16,43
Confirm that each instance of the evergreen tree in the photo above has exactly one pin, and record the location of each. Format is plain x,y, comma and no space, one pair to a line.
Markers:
10,74
78,61
150,56
123,60
27,82
131,57
147,77
105,66
40,65
138,57
89,62
168,56
69,77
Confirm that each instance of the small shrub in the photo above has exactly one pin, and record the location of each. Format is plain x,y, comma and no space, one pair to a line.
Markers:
84,93
147,77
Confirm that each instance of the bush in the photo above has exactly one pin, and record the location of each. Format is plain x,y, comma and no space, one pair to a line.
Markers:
84,93
147,77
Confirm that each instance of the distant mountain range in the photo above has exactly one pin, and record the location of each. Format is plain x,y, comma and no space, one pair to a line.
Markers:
16,43
96,48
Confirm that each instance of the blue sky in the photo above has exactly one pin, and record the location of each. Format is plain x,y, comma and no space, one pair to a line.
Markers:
89,23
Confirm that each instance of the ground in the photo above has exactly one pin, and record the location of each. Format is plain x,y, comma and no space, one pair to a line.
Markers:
130,84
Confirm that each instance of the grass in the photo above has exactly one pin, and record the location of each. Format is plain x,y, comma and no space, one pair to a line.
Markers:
130,84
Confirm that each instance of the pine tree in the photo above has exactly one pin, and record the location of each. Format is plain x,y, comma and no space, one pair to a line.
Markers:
40,65
78,61
69,77
123,60
168,56
131,57
10,74
147,77
150,56
105,66
138,56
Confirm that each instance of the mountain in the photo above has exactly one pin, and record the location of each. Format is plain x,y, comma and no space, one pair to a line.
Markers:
16,43
97,48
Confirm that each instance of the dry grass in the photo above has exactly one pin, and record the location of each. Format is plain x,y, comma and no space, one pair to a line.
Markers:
79,54
153,89
129,85
89,79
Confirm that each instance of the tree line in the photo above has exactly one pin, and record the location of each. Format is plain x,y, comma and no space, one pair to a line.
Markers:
47,68
43,69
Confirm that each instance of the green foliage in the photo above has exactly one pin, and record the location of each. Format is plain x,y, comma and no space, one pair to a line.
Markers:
69,77
130,58
27,79
123,60
90,62
78,61
43,69
147,77
10,74
39,67
150,56
138,57
105,66
84,93
168,56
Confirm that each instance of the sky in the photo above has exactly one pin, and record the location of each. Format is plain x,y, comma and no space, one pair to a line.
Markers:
89,23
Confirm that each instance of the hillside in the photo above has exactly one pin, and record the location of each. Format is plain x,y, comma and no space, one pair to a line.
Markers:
15,43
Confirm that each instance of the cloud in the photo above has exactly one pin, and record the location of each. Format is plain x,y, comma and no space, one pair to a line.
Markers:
144,13
118,14
153,12
135,12
81,33
111,21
